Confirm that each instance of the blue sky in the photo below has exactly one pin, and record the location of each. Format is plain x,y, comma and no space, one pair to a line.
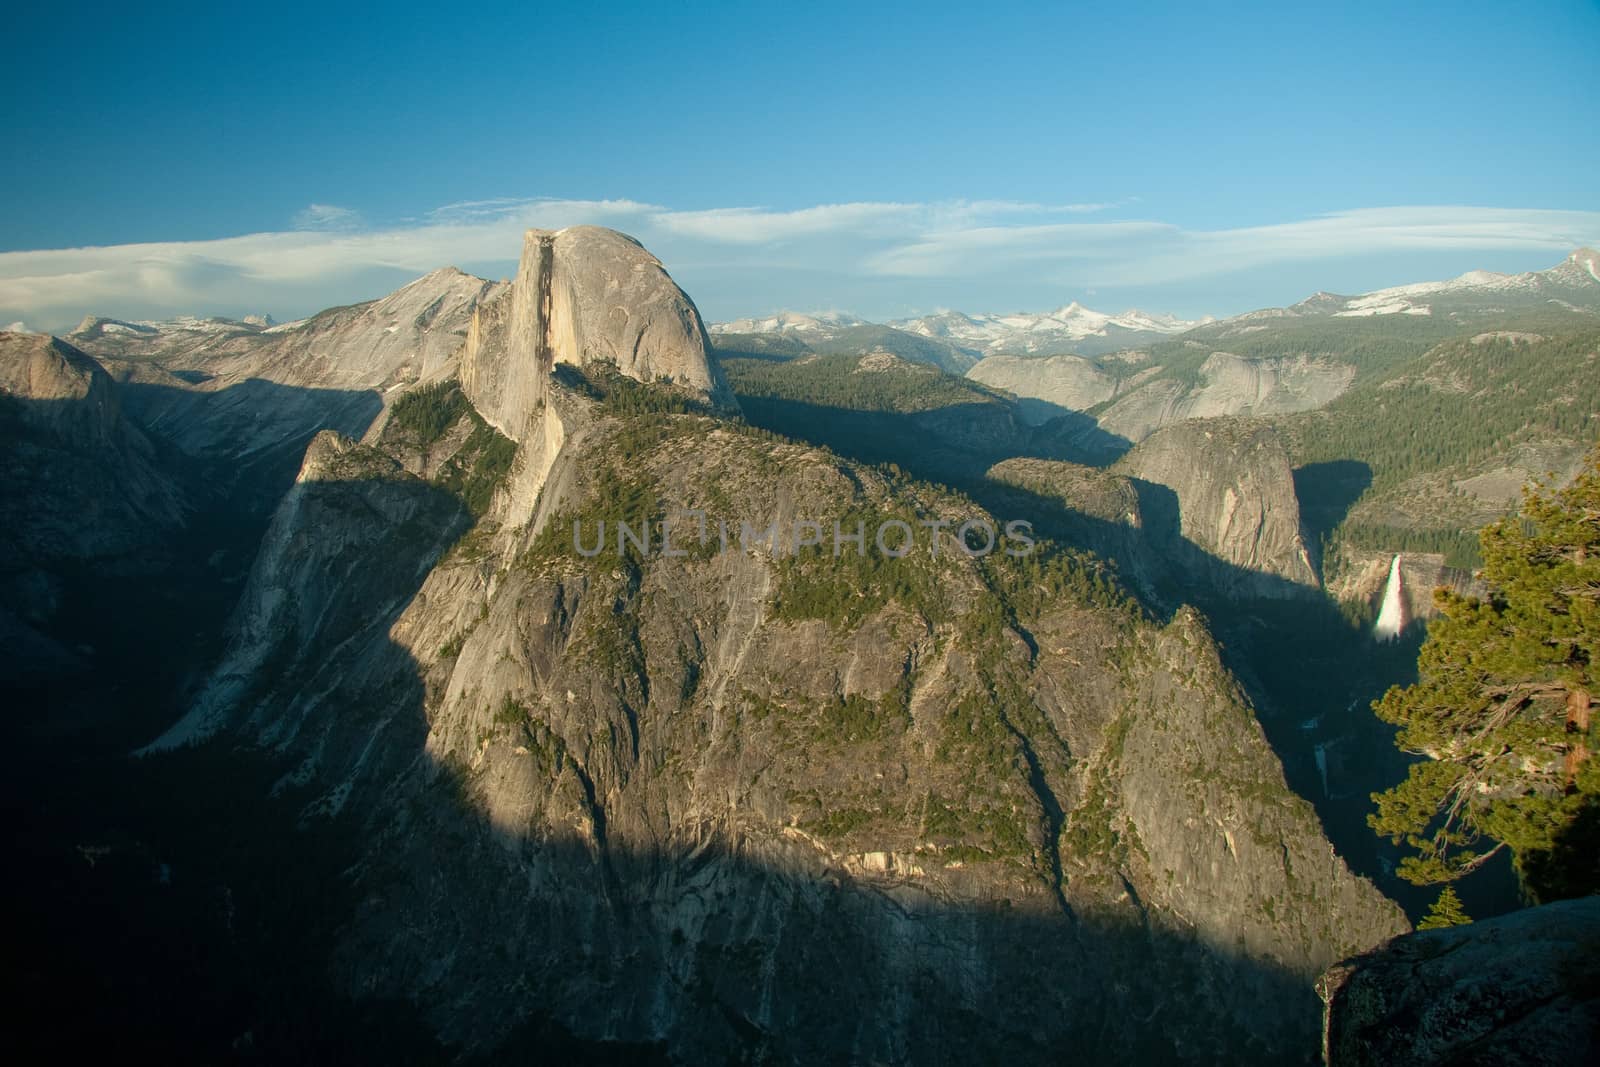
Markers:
1186,158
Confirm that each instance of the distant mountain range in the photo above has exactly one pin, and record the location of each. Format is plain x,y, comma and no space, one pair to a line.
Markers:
1572,285
1073,328
649,799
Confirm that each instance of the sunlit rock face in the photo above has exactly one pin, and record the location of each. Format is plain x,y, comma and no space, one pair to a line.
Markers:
1232,485
734,800
583,295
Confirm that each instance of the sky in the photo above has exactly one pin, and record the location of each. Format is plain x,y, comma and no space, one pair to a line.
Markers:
1185,158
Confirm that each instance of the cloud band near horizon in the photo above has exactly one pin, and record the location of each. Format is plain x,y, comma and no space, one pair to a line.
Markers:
914,250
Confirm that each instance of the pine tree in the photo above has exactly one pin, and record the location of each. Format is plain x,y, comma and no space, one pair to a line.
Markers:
1501,708
1446,911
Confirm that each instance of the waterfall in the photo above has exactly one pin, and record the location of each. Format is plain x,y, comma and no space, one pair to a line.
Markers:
1392,616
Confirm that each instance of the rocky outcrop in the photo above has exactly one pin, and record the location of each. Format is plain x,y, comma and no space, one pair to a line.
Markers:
583,295
666,797
1229,385
409,334
1091,491
351,508
1225,487
1067,382
1520,989
1091,508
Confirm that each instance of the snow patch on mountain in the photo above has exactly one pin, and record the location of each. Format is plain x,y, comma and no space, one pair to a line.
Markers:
1022,332
1580,271
791,322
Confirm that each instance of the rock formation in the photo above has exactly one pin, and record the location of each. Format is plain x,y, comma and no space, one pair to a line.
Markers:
582,296
1066,382
1133,406
754,797
1229,385
1233,491
1520,989
254,394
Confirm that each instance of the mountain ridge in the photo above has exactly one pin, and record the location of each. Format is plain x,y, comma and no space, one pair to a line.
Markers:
1054,332
688,760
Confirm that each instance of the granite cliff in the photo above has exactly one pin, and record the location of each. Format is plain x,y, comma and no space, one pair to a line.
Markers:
733,793
1233,490
583,295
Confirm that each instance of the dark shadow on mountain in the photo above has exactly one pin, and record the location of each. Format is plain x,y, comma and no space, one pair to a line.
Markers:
1075,433
192,913
140,611
244,443
198,913
1327,492
945,444
199,909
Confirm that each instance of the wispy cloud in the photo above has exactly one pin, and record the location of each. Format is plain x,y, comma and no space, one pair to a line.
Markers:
750,225
326,217
740,260
1149,252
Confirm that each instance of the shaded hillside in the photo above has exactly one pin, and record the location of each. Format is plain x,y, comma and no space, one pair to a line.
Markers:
881,409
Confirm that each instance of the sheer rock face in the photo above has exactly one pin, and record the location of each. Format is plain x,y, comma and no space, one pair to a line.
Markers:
741,802
1234,492
1229,385
1137,406
583,295
640,795
1520,989
1067,381
407,335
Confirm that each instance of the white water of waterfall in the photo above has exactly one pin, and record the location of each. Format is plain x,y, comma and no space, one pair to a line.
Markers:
1391,617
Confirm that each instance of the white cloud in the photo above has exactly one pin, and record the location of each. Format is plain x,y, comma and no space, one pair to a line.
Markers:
751,225
1365,232
738,260
980,249
326,217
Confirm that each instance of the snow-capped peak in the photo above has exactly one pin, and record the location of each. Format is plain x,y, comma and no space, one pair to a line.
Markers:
817,322
1579,270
